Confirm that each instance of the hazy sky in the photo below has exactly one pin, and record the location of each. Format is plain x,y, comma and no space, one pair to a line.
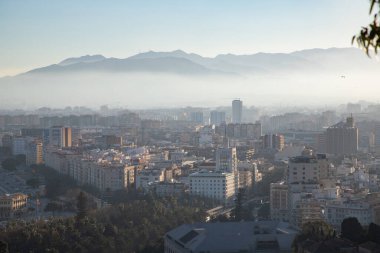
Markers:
41,32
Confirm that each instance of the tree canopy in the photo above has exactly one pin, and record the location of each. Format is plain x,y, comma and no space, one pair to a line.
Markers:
135,226
81,206
352,230
369,36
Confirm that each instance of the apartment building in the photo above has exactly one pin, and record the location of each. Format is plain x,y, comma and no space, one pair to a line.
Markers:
216,185
279,201
34,152
337,210
12,205
148,176
342,138
307,209
246,172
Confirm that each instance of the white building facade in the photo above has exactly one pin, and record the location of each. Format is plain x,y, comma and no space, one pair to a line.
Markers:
216,185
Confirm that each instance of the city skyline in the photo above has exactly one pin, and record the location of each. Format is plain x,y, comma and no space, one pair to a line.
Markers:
189,126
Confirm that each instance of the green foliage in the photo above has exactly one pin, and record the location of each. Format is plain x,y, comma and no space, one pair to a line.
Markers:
9,164
369,37
81,206
3,247
92,190
20,159
315,231
12,163
240,212
221,218
352,230
53,206
135,226
5,151
264,211
56,184
374,233
237,212
33,182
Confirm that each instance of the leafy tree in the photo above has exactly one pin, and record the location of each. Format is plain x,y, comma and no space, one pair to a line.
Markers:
3,247
33,182
20,159
6,151
92,190
110,230
134,226
315,231
369,36
9,164
56,184
238,211
53,206
374,233
220,218
81,206
352,230
264,211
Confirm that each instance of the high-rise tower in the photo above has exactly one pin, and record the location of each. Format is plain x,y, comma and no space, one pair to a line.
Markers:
237,108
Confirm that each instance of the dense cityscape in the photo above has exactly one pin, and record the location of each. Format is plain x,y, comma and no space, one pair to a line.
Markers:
250,170
189,126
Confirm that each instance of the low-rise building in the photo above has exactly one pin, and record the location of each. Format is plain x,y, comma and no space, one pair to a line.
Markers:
19,145
105,175
303,169
231,237
306,210
148,176
246,172
165,189
301,201
12,205
59,159
337,211
279,202
107,170
373,199
108,141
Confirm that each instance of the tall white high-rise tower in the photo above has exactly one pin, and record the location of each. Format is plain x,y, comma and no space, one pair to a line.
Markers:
237,108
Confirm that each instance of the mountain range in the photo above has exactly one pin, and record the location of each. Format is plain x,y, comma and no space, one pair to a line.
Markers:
177,78
179,62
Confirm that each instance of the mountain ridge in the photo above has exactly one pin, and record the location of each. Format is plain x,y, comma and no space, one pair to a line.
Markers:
316,76
181,62
161,64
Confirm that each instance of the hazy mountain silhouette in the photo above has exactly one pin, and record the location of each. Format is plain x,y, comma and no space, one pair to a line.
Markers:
347,59
83,59
180,62
167,64
178,78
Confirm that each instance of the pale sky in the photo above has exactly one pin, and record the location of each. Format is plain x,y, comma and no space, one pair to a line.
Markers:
36,33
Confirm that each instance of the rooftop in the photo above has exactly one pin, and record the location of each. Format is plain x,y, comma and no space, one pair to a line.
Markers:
303,159
232,236
204,173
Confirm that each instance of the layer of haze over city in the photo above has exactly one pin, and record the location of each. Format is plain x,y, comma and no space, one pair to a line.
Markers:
148,54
